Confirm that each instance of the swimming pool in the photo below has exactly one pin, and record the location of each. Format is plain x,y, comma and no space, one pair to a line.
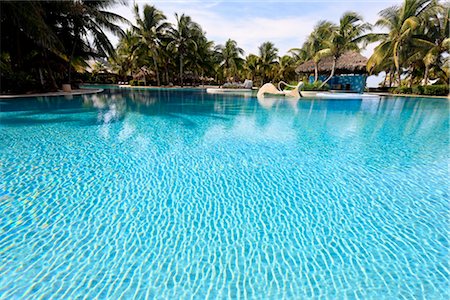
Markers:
181,194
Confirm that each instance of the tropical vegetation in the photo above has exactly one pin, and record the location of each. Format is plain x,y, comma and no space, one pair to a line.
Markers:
50,43
43,43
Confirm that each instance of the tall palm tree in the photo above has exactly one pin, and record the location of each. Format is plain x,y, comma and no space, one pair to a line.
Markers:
59,32
182,38
315,42
437,32
347,35
402,22
202,60
91,19
230,55
150,28
126,54
268,55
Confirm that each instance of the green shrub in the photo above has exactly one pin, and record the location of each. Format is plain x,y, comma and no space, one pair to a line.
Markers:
417,90
427,90
436,90
315,86
403,90
133,82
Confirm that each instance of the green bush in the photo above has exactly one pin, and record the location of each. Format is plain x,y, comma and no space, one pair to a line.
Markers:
436,90
134,82
403,90
427,90
315,86
19,82
417,90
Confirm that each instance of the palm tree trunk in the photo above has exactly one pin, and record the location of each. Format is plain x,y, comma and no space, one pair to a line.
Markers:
203,77
397,63
156,71
383,84
181,70
70,62
333,68
390,77
316,72
411,77
50,72
41,77
166,69
195,77
425,77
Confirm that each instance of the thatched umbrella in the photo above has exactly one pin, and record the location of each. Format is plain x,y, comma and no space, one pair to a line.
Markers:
349,63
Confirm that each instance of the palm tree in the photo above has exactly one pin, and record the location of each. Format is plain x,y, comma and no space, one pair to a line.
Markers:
90,19
268,55
344,37
125,59
402,23
202,60
230,56
55,33
437,33
181,38
314,43
251,66
150,29
286,68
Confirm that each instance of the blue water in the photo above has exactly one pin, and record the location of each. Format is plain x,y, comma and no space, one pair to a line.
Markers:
181,194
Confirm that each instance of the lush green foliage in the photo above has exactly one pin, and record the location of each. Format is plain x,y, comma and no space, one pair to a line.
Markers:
44,42
315,86
416,44
428,90
47,40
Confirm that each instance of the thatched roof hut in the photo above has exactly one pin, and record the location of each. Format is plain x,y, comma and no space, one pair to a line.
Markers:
348,63
144,72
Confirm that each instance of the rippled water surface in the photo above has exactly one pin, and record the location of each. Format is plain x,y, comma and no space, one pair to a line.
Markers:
182,194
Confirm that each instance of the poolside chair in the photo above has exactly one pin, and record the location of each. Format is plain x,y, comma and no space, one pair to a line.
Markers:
248,84
270,89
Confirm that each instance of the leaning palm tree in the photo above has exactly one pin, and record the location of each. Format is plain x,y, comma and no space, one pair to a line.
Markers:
268,55
344,37
402,22
150,29
182,38
230,56
91,19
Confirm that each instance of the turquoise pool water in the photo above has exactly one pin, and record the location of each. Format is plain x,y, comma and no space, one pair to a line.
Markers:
180,194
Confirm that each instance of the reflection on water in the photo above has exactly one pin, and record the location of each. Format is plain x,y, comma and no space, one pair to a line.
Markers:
134,116
340,117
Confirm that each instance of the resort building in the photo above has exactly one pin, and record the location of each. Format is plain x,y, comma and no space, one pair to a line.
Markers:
350,74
